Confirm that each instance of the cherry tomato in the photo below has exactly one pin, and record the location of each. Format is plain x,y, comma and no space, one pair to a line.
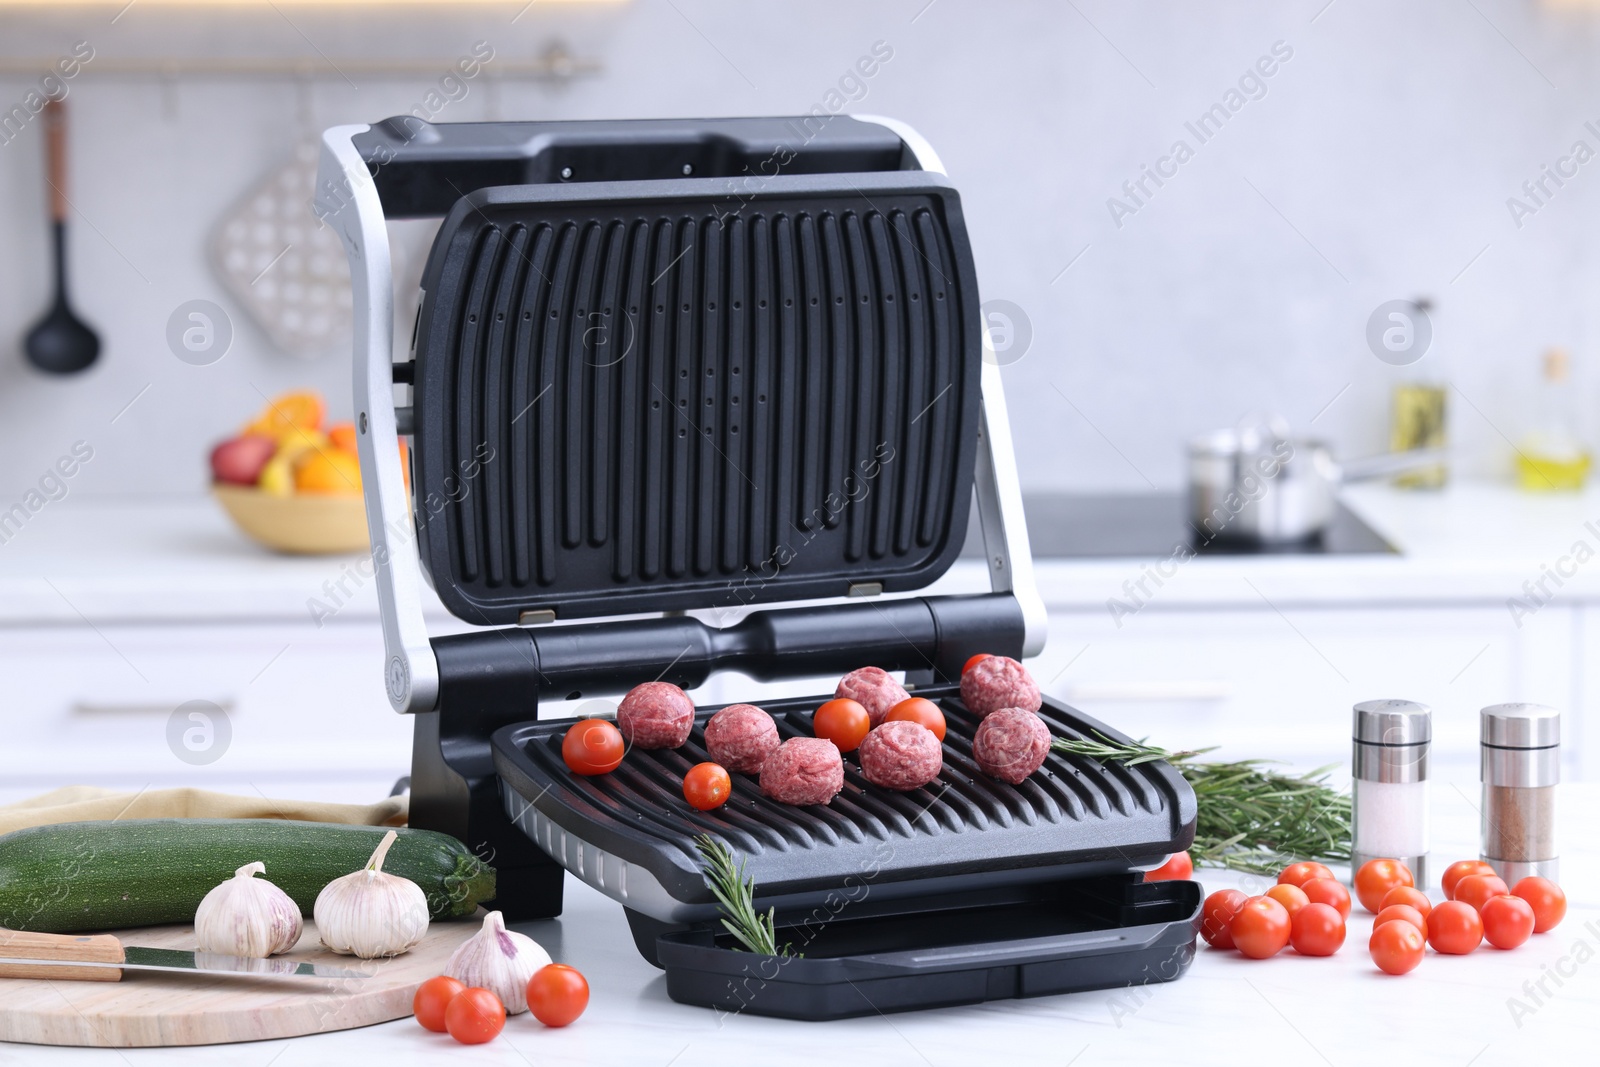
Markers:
1179,867
1376,878
1261,928
557,994
1405,894
967,666
1549,903
1396,947
1476,889
1292,897
707,786
1217,915
1459,870
1507,920
1328,891
592,746
921,711
432,998
844,722
1454,928
474,1015
1402,913
1317,930
1298,874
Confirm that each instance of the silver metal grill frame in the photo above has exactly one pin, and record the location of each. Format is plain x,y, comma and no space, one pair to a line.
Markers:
347,200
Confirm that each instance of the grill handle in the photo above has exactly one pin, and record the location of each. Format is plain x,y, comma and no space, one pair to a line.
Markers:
921,634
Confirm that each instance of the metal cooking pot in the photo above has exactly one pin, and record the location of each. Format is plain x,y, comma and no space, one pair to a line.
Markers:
1258,483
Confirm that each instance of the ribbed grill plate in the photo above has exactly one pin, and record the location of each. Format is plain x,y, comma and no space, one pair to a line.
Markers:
642,396
1073,812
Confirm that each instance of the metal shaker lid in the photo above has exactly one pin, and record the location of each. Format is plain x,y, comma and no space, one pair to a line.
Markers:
1520,726
1392,722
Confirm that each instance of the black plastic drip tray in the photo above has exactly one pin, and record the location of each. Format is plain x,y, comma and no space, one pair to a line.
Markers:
1040,940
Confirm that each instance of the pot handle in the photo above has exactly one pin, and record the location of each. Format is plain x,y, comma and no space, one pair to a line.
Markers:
1360,470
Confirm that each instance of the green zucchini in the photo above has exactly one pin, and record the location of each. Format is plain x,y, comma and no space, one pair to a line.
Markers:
79,876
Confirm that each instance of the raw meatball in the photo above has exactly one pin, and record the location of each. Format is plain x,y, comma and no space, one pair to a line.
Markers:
741,737
901,755
1011,744
804,770
996,682
656,715
874,690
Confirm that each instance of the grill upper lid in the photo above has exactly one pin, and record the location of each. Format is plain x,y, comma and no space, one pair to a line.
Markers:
656,395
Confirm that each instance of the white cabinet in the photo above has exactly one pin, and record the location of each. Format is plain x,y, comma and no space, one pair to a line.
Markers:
1281,684
284,707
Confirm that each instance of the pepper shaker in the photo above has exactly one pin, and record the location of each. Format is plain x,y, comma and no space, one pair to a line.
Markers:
1389,796
1520,767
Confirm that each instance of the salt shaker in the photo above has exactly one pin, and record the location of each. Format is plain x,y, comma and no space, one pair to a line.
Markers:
1520,767
1389,797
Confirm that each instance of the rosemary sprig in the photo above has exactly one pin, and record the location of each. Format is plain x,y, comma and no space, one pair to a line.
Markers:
1131,754
736,896
1251,818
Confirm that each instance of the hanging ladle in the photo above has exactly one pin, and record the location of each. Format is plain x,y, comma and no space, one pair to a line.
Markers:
59,343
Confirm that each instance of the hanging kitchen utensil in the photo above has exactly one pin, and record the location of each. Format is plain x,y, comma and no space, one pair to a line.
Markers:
283,266
59,343
286,268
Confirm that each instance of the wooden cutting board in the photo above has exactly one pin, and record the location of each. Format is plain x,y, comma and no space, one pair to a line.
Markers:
158,1008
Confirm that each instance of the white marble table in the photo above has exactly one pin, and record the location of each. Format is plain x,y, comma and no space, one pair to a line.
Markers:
1226,1009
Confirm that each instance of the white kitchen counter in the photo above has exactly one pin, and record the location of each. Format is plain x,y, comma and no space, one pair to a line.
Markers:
1225,1010
1472,542
164,559
180,559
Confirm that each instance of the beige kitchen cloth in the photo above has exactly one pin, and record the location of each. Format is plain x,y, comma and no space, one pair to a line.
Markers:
82,803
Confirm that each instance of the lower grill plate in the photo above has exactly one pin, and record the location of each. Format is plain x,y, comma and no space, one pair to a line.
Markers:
630,834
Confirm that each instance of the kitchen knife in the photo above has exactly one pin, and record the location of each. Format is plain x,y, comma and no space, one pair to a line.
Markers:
102,958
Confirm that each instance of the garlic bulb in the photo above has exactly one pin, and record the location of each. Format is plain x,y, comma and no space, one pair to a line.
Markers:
247,916
369,913
500,961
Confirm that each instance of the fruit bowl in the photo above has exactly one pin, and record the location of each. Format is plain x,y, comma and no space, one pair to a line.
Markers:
293,482
305,523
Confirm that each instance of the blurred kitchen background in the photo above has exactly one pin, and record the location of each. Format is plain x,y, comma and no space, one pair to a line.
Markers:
1376,162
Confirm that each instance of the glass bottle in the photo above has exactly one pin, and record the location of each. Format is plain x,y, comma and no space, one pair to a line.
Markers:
1552,455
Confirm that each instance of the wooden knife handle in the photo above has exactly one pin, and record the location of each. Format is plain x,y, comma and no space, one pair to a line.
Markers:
55,160
92,948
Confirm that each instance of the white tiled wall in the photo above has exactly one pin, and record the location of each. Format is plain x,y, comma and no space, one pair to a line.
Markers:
1376,165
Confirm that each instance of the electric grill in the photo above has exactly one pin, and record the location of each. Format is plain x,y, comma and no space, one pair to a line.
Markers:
713,365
